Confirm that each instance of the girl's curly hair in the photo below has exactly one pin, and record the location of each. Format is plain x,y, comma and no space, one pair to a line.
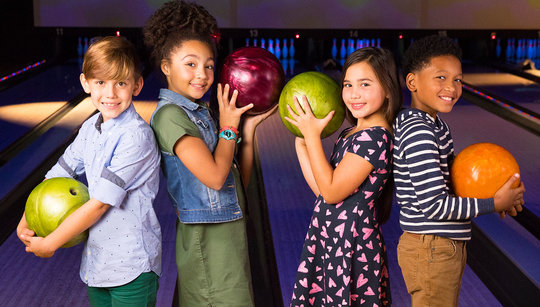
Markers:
173,23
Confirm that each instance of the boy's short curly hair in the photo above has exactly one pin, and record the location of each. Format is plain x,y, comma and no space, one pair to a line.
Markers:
173,23
421,51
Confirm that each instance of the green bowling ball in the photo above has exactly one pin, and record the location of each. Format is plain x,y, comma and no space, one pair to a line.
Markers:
51,201
323,94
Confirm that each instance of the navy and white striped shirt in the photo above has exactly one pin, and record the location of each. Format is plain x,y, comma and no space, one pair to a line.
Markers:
423,154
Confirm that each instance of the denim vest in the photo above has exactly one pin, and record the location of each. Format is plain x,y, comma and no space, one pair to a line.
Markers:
194,201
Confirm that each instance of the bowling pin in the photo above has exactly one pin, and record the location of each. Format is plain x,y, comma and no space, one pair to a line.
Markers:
519,50
80,48
343,49
373,42
538,48
277,50
263,43
291,50
247,42
285,51
358,44
285,64
85,48
334,49
525,48
508,49
351,47
533,49
514,49
537,61
271,46
378,43
498,48
255,42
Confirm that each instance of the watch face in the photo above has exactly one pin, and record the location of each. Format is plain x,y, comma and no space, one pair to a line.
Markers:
228,134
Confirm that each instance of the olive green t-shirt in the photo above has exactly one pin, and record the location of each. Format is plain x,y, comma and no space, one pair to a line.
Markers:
170,123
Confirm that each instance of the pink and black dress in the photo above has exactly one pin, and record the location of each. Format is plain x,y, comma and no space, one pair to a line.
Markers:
343,260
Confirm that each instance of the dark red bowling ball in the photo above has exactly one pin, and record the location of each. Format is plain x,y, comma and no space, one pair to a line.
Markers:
257,75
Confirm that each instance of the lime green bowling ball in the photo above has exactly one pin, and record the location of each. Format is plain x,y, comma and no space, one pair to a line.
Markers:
51,201
323,94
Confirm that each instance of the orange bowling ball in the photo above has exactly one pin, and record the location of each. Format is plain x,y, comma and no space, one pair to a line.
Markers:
481,169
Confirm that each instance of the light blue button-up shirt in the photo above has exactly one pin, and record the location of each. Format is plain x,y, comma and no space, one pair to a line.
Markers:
121,162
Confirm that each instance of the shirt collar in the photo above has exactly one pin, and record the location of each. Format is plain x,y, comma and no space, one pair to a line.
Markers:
435,121
126,115
178,99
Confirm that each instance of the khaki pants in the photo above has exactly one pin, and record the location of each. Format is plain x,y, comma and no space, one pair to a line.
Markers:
432,267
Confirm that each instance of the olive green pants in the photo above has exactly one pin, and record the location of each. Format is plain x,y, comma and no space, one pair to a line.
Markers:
213,265
140,292
432,267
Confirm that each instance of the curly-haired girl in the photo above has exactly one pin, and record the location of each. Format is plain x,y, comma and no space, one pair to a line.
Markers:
203,181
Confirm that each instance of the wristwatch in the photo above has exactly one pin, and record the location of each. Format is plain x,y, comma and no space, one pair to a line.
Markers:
229,133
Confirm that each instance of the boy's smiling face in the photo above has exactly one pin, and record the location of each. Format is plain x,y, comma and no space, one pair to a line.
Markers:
437,86
111,97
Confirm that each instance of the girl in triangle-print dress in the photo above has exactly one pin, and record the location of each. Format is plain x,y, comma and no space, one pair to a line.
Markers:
343,261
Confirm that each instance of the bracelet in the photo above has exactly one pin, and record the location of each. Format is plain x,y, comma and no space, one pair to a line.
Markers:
233,129
229,133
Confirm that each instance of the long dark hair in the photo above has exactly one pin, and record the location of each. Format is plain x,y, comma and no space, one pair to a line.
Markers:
383,64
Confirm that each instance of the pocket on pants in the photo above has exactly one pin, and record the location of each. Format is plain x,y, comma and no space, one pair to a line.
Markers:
408,260
442,250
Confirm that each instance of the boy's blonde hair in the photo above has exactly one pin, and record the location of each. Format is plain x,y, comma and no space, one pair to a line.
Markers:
112,58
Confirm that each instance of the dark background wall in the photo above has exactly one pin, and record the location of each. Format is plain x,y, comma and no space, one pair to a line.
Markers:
49,29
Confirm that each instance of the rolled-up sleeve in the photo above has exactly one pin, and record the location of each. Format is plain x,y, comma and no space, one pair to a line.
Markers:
131,164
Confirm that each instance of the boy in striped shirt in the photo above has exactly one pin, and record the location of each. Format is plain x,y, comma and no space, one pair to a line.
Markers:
436,224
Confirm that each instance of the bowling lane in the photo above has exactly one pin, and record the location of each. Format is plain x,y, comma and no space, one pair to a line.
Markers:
25,162
290,205
27,103
31,281
521,91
